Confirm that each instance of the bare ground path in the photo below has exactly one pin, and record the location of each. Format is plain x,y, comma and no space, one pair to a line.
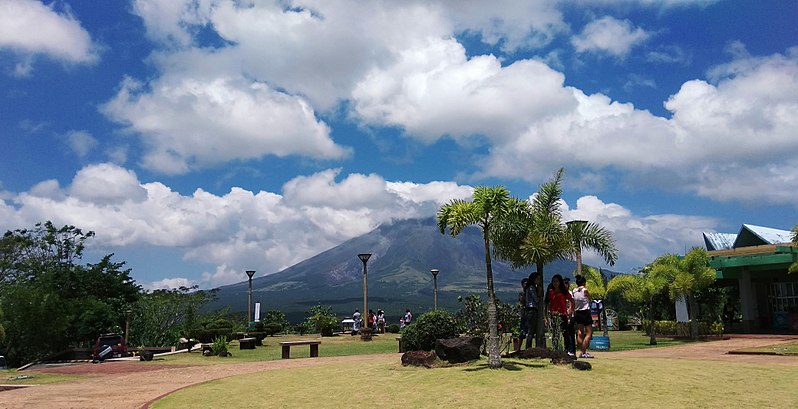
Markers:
142,383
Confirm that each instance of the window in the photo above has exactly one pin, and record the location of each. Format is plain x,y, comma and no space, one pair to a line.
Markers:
783,297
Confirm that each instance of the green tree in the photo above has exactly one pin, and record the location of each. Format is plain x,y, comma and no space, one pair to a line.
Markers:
641,289
322,319
591,236
687,276
162,316
489,205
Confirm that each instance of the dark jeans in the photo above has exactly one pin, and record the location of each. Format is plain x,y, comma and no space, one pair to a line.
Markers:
569,335
531,325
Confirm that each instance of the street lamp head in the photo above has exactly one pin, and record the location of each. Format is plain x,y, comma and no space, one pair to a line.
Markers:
250,273
576,222
434,272
364,257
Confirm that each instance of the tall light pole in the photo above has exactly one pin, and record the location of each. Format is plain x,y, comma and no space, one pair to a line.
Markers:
435,272
364,257
577,229
250,273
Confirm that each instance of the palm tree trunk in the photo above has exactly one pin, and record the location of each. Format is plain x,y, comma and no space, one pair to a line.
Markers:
693,317
494,357
540,336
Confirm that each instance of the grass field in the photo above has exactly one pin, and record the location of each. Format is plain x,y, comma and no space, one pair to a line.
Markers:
778,349
12,377
613,383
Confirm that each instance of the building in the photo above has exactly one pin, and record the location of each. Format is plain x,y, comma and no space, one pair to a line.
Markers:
754,263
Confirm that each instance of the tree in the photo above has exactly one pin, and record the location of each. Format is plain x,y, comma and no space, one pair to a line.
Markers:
489,205
162,316
591,236
641,289
57,302
687,276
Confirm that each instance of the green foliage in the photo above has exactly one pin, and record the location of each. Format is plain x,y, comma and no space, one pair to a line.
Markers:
57,302
596,284
432,325
275,321
322,319
161,317
673,328
272,328
472,318
392,328
219,346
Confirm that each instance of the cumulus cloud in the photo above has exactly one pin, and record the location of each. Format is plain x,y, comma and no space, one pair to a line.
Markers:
609,35
29,27
81,142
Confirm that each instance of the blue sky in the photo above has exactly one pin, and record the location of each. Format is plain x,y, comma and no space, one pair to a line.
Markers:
202,138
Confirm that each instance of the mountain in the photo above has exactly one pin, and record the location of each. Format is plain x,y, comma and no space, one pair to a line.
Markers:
398,275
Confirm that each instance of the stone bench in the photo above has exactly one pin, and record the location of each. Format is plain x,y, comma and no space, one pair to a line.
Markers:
286,346
247,343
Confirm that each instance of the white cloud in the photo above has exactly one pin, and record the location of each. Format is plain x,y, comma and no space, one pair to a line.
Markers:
107,184
30,27
609,35
81,142
194,123
169,283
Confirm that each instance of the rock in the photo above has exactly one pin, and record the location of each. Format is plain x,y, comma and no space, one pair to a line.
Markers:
146,356
561,358
457,350
582,365
418,358
531,353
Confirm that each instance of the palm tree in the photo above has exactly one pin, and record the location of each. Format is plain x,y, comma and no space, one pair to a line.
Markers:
641,289
597,286
687,276
489,205
586,235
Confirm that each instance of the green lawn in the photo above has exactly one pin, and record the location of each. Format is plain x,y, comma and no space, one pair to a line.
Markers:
778,349
613,383
330,346
13,377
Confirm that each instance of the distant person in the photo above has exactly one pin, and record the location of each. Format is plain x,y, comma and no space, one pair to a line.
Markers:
408,317
558,311
372,320
584,322
522,312
357,318
381,321
532,296
570,334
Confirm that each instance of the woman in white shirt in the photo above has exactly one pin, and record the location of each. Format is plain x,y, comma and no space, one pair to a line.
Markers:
584,322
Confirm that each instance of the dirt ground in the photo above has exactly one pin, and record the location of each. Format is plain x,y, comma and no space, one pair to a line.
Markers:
143,383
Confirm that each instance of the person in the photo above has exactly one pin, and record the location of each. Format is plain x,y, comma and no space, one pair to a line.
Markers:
570,334
357,318
408,316
381,321
532,295
372,321
522,312
558,310
582,317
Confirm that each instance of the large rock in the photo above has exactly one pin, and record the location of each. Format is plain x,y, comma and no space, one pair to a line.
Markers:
419,358
457,350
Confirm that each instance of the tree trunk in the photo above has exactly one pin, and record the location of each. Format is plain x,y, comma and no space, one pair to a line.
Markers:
693,317
652,329
494,356
540,336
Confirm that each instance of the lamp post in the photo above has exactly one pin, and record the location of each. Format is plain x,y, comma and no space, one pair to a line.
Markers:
577,229
364,257
250,273
435,272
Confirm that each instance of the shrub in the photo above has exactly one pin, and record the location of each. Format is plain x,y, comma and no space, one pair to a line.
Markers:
258,336
209,335
393,328
271,328
219,346
432,325
326,324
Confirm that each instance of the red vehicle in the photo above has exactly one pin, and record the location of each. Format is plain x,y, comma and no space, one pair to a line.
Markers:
116,343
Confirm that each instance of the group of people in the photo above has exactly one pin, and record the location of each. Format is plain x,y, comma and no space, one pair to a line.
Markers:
375,321
566,313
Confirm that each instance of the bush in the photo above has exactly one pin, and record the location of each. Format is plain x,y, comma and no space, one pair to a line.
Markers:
432,325
271,328
219,346
327,324
393,328
209,335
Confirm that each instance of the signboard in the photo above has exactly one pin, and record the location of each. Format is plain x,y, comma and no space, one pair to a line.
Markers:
257,311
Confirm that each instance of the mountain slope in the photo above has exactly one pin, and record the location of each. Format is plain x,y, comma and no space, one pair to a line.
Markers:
398,274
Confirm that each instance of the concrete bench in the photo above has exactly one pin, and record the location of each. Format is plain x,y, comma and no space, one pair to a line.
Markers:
286,345
247,343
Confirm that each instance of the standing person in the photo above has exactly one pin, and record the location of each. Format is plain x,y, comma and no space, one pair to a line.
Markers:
532,296
558,308
522,312
381,321
357,318
584,322
569,333
372,320
408,316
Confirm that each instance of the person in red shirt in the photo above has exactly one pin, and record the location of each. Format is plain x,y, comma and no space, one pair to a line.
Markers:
559,308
